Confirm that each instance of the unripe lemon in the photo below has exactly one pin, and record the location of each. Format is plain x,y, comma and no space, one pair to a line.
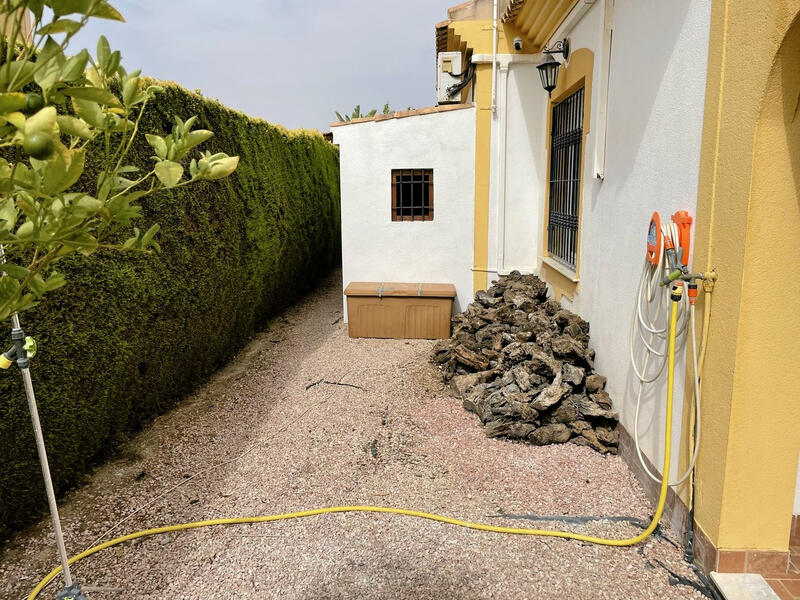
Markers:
33,103
38,145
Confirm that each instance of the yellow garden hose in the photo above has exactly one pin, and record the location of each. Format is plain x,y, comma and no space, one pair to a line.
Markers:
676,295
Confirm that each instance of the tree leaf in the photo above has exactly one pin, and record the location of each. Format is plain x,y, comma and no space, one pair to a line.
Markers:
25,231
17,119
43,121
169,173
83,242
49,75
55,281
94,77
60,26
93,8
75,169
90,112
62,170
103,51
74,68
222,167
113,63
11,101
15,271
37,285
19,71
94,94
149,235
130,90
87,205
103,10
74,127
8,214
37,8
194,138
68,7
158,144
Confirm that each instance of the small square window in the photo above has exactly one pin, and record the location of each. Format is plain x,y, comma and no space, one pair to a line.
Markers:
412,194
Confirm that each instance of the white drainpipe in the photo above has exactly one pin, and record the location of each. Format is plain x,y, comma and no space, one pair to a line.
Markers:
495,10
602,100
502,152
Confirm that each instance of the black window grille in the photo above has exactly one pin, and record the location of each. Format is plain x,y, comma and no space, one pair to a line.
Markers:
566,137
412,195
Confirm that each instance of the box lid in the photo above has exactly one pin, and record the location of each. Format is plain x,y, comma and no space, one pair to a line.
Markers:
380,289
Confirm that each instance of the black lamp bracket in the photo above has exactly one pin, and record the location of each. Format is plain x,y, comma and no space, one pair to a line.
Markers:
560,47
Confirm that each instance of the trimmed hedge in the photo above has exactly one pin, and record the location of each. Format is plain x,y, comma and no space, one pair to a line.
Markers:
131,333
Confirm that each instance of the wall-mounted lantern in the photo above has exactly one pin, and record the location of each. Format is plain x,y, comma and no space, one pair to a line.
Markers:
548,69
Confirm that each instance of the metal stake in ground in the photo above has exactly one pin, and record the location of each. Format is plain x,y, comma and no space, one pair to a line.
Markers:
72,590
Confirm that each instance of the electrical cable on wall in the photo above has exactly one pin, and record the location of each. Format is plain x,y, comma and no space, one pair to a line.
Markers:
468,74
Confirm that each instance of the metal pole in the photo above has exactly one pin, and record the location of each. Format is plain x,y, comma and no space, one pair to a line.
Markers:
48,481
23,363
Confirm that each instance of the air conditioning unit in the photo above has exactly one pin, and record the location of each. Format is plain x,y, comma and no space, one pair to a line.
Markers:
448,68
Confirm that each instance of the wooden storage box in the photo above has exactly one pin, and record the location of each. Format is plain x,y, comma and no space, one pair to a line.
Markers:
399,310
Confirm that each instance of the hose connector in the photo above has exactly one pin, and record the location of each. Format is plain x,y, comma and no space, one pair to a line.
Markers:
676,293
709,279
671,276
7,358
691,293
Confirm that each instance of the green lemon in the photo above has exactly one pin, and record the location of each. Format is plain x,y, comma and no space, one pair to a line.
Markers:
33,103
38,145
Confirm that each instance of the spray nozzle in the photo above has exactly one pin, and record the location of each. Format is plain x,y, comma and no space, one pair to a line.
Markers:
29,348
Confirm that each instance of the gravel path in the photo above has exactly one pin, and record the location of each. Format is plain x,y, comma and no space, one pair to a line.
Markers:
291,439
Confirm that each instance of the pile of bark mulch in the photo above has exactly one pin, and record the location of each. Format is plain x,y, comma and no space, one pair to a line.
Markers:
523,365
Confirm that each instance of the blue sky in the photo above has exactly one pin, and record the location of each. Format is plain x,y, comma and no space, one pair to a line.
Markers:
291,62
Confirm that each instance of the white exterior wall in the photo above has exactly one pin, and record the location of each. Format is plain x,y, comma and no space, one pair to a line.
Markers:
655,115
374,248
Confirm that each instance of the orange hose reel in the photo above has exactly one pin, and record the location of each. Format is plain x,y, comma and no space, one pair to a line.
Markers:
654,240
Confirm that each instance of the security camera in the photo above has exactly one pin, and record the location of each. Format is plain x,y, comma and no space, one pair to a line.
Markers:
517,43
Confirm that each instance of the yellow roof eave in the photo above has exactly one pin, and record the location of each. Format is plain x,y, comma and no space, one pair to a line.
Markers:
538,20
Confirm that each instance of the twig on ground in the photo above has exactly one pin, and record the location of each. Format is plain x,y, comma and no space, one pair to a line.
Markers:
358,387
310,385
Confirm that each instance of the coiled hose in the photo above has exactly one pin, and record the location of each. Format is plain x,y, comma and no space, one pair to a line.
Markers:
677,292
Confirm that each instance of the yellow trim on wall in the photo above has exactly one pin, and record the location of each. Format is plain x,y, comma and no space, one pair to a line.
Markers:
750,162
483,142
577,74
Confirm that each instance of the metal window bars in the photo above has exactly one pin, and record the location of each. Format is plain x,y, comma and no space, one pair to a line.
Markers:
566,137
412,195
